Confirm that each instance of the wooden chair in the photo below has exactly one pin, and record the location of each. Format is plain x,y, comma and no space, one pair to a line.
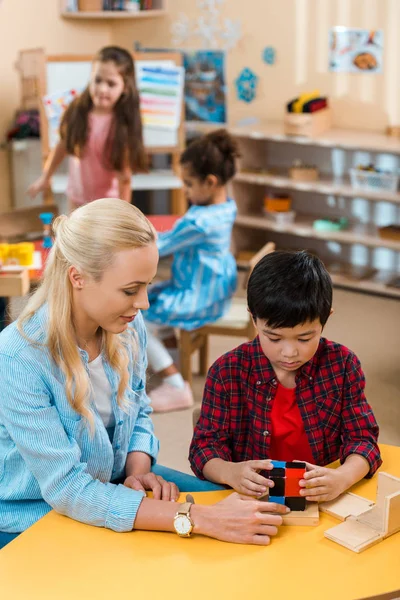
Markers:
237,322
23,224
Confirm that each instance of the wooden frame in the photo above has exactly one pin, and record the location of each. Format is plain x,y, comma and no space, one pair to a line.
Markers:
31,65
359,532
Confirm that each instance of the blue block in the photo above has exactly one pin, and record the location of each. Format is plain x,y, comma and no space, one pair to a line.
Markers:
277,499
279,464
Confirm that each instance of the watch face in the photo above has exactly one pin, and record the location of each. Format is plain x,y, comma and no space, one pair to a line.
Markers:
182,524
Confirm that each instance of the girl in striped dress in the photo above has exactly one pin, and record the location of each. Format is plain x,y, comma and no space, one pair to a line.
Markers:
203,276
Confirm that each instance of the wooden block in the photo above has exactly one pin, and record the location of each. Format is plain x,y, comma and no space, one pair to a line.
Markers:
14,284
345,506
304,173
392,514
292,487
308,517
354,535
308,124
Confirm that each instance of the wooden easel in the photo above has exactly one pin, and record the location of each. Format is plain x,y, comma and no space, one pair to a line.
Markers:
32,65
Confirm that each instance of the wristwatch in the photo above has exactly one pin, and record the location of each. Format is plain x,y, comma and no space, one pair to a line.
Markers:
183,524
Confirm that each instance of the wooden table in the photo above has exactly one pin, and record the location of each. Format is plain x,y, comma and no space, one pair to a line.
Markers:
59,558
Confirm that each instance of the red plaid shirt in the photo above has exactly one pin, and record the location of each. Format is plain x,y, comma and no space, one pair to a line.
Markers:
235,420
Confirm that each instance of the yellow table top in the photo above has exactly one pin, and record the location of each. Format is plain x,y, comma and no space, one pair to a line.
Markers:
60,559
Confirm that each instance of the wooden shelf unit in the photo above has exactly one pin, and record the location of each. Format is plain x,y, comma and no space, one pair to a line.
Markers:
258,172
159,10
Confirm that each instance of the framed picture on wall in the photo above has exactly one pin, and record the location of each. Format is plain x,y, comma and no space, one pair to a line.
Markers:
205,86
355,50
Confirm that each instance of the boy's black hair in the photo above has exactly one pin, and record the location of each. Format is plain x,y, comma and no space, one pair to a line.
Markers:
212,154
287,289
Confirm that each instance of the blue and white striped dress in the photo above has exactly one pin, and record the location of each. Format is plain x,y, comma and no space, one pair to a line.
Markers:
48,456
204,274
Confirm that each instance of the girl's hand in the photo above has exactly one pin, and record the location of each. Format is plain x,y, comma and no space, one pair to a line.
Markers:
40,185
322,484
244,478
162,490
239,519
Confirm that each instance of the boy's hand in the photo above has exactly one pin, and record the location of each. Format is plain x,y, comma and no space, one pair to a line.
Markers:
322,484
244,478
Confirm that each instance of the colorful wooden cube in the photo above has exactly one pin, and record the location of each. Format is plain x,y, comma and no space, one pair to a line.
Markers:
286,477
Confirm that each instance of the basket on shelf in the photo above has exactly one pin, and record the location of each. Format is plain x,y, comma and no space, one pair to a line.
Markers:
90,5
371,180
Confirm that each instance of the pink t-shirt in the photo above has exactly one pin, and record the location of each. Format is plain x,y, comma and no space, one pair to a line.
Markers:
88,178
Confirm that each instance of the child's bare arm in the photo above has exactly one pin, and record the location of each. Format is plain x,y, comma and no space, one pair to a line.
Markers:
322,483
243,476
54,160
124,184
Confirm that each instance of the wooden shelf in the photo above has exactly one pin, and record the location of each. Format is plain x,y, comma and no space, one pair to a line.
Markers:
114,14
346,139
156,179
324,186
302,227
376,284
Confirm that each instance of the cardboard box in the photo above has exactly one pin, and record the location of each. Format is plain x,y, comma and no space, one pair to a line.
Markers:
308,124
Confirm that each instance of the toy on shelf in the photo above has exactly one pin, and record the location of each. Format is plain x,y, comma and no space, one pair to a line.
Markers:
308,115
281,218
303,172
277,208
368,177
46,219
362,529
277,202
330,224
394,282
286,477
17,254
393,131
390,232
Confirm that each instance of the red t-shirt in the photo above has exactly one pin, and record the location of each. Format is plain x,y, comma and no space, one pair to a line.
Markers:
288,437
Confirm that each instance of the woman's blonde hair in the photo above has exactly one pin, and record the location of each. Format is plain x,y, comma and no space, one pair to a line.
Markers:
88,240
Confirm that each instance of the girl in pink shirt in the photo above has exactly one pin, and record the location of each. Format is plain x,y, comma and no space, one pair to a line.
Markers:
101,131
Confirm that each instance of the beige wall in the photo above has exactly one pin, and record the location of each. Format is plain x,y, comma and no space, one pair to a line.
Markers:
298,29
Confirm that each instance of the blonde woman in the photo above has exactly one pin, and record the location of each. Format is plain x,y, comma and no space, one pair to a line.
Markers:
75,427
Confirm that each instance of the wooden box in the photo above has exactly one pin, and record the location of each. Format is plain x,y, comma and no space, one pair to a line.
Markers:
14,284
90,5
390,232
304,173
308,124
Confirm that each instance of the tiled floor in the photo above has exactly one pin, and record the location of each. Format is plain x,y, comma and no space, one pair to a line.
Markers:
369,325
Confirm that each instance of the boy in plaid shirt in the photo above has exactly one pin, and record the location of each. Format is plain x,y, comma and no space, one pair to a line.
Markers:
290,394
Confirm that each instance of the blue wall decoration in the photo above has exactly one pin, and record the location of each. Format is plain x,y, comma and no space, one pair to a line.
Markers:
269,55
246,85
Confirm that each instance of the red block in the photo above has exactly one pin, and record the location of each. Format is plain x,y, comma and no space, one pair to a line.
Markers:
294,473
292,488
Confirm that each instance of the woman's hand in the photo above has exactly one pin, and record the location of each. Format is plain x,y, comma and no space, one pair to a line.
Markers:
40,185
162,489
322,484
239,519
244,477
